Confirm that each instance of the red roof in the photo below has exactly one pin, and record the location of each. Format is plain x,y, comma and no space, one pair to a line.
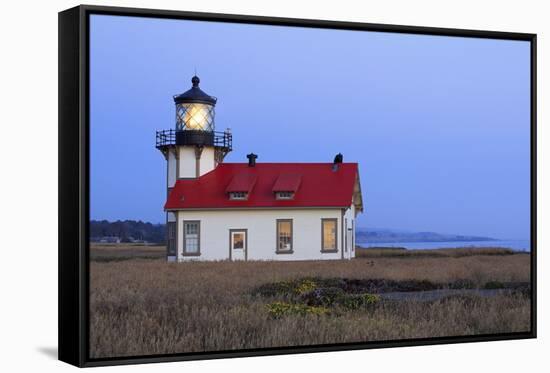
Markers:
242,183
316,185
287,183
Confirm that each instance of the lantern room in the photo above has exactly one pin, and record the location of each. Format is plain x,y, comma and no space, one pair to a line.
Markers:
195,109
195,126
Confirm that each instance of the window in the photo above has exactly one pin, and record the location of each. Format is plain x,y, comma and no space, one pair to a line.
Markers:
329,234
238,240
191,237
284,195
238,195
284,236
171,238
195,116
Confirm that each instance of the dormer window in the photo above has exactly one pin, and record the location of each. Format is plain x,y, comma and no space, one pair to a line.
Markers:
238,195
284,195
286,186
241,186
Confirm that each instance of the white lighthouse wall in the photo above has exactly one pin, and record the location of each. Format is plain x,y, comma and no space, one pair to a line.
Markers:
261,226
207,161
171,172
188,161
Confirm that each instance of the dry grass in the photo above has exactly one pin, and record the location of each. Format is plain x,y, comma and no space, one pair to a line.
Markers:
118,252
146,306
450,252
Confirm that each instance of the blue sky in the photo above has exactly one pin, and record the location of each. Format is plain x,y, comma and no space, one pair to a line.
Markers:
438,125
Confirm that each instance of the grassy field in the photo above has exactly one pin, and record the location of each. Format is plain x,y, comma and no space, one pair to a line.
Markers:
454,252
147,306
119,252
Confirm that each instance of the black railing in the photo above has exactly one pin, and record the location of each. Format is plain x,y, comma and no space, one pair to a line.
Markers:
166,138
223,140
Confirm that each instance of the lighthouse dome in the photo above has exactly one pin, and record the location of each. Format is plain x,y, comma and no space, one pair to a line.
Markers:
195,95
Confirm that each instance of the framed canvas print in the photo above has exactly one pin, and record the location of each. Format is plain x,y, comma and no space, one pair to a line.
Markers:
238,186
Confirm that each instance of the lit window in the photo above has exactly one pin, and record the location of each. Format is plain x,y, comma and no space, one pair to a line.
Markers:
191,238
328,234
195,116
284,236
238,195
284,195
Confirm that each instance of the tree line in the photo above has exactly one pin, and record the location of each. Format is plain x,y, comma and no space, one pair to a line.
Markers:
128,231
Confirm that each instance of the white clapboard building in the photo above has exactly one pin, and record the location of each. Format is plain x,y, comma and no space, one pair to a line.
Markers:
250,210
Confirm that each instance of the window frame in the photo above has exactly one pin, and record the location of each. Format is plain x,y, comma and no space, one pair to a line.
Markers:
282,195
171,227
232,196
184,252
277,250
335,249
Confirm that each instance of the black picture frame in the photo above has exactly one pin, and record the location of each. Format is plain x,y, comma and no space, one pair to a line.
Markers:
74,181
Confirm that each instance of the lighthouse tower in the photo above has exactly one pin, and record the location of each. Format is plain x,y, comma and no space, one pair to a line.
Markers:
193,148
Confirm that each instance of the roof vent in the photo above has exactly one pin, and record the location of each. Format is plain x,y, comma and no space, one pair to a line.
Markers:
339,158
251,159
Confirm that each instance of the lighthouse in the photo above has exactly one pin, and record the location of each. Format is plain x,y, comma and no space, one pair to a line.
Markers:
218,210
191,149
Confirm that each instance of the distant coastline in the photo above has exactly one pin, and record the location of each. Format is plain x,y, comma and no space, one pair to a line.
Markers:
370,237
388,236
516,245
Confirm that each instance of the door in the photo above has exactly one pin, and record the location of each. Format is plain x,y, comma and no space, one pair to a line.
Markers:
238,244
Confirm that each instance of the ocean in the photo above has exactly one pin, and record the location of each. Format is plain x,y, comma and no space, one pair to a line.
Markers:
518,245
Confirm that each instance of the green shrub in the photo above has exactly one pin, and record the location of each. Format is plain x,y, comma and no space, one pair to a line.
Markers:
286,288
417,285
325,297
274,289
304,286
280,309
356,301
494,285
462,284
333,297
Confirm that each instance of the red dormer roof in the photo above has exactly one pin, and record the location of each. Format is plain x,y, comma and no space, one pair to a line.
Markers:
287,183
242,182
313,184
